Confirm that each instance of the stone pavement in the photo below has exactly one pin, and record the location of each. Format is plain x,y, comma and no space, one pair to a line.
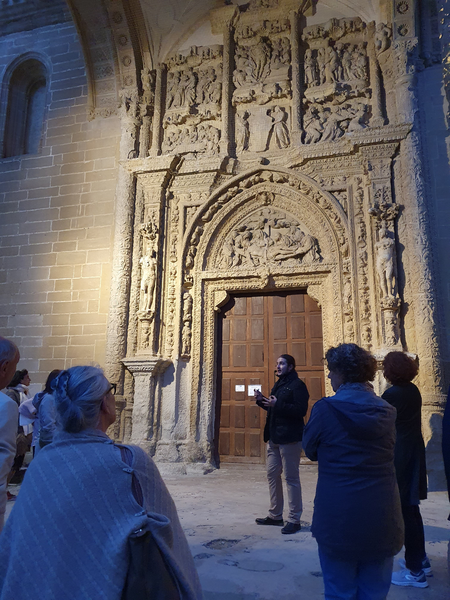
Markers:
239,560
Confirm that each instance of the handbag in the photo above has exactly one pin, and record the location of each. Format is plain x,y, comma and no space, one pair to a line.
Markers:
148,576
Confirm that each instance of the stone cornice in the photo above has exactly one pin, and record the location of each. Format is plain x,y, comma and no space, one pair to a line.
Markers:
151,364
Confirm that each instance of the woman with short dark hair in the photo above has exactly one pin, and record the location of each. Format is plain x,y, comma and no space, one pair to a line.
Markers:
99,512
357,518
44,403
399,370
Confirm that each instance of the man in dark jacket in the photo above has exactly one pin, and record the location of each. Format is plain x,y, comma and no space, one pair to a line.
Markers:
286,407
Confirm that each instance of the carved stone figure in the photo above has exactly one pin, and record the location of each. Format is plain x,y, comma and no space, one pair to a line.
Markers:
331,65
357,121
312,125
173,81
346,62
383,35
385,248
321,64
311,70
242,131
148,281
280,130
331,130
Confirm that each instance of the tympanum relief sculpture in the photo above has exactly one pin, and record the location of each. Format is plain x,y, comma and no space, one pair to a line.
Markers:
268,238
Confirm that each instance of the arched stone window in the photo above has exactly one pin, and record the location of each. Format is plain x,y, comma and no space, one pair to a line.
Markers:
25,108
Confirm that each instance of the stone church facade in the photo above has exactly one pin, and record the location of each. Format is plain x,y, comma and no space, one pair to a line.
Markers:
196,164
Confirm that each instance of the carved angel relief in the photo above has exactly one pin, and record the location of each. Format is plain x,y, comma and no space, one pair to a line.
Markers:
268,237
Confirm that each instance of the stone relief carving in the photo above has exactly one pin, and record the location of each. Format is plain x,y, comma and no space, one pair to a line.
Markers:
262,61
146,108
193,102
186,331
347,301
362,264
268,238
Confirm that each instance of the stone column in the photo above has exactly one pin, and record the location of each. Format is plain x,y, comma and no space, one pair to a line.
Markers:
222,22
144,415
377,119
158,112
226,89
122,249
297,83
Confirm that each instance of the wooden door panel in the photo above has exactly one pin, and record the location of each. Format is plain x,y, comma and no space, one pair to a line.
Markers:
256,330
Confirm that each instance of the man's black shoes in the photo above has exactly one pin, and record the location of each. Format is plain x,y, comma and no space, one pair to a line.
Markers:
291,528
269,521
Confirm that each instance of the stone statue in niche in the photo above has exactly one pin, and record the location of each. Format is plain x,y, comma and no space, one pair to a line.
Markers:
187,326
385,249
148,281
268,238
242,131
279,128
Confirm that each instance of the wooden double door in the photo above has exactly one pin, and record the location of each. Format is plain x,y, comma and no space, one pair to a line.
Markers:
255,331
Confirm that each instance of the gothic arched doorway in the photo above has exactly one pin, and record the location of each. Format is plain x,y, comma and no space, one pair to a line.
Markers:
254,331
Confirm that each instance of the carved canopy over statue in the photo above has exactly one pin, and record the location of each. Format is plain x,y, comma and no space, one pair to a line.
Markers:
268,237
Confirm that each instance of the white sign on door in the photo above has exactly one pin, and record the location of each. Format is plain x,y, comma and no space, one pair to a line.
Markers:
239,388
252,388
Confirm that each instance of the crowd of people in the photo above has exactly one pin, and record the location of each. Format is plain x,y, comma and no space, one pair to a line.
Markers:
83,492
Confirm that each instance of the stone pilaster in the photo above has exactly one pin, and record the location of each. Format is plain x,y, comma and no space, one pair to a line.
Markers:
144,412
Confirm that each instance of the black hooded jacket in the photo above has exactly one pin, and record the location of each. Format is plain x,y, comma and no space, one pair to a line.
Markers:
284,422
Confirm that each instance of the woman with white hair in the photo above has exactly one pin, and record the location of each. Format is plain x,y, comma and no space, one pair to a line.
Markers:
98,515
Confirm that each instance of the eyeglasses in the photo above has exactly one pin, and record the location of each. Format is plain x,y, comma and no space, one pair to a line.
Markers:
113,389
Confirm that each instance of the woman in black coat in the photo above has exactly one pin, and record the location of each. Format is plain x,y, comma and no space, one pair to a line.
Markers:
399,369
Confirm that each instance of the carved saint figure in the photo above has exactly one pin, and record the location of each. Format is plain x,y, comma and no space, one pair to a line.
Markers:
311,74
331,129
242,131
385,248
346,64
173,80
148,281
280,130
321,64
312,125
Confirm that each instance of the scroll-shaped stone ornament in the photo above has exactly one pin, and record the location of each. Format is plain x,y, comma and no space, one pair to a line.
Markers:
268,237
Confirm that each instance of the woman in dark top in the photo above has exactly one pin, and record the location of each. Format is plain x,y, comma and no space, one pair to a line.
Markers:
399,370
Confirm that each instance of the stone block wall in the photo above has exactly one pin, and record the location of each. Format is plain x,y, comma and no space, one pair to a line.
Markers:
56,216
